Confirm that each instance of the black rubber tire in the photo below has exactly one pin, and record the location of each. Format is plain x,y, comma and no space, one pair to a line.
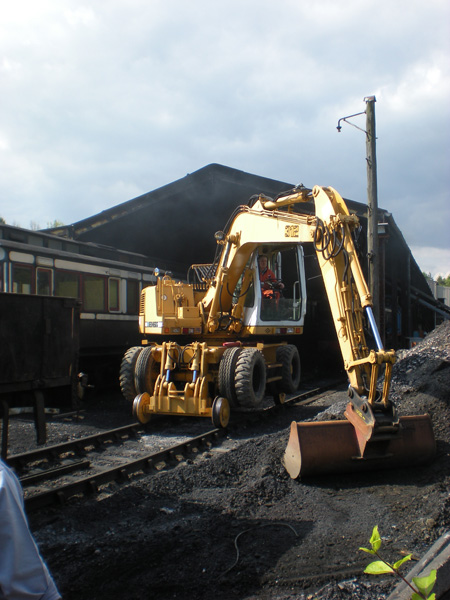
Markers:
145,373
289,358
126,373
220,412
250,378
227,369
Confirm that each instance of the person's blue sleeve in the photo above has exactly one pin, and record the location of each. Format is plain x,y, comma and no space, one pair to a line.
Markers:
23,573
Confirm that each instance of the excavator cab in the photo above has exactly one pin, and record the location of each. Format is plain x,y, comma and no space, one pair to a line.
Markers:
276,295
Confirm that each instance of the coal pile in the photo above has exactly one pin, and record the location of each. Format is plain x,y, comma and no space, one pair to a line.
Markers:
233,525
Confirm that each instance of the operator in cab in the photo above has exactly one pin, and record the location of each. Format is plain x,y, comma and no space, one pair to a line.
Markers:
270,285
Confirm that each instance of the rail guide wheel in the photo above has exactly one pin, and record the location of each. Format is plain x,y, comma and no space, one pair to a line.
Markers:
139,404
220,415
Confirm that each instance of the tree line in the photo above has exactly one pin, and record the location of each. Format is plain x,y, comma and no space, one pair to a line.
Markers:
36,226
445,281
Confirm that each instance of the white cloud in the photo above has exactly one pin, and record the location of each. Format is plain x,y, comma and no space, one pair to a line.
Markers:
104,99
81,15
432,260
425,85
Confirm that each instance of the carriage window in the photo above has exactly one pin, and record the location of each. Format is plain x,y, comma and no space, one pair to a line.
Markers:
132,297
21,279
67,284
93,293
44,282
113,294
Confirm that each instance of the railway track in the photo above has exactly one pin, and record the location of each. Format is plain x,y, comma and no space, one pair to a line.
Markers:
119,473
54,474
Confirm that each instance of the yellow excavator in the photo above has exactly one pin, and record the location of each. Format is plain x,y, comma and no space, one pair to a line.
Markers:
222,341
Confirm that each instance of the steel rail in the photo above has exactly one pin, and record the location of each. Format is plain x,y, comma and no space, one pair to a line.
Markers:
59,471
17,461
304,397
314,394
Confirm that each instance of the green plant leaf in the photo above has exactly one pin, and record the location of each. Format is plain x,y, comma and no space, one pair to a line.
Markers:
425,584
375,540
367,550
416,596
378,567
401,561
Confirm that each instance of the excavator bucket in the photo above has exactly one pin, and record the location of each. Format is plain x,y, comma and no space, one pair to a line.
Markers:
332,447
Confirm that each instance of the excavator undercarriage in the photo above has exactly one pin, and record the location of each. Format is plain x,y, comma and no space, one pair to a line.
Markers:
204,380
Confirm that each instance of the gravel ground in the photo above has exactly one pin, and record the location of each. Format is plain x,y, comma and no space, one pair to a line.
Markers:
233,525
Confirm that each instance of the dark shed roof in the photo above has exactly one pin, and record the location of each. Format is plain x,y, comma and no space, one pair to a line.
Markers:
176,223
178,220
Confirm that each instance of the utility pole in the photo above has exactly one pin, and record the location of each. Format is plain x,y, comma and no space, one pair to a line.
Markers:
372,204
373,252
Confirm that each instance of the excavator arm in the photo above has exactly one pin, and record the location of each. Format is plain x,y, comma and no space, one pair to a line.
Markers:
369,409
378,438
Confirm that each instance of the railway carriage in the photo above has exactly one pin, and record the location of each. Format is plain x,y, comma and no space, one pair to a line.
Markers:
106,281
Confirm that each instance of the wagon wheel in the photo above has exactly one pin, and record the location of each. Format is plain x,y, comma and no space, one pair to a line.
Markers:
227,368
250,378
146,371
126,373
220,412
289,358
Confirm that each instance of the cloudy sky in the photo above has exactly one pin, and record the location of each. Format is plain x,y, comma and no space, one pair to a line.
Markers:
105,100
